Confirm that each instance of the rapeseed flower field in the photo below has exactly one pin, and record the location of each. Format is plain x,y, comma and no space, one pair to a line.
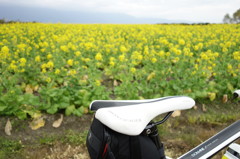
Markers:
54,67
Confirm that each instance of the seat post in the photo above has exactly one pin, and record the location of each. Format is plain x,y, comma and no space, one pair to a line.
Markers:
151,131
153,134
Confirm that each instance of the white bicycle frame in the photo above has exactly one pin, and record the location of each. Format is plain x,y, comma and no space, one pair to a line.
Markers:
215,144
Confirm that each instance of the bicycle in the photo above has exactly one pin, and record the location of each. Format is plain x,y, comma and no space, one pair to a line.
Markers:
131,121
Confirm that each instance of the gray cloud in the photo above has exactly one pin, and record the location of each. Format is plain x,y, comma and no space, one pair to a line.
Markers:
190,10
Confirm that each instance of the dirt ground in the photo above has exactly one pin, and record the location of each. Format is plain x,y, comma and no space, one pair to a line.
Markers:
38,144
42,143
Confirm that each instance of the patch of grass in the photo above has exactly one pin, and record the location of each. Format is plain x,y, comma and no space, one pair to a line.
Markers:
75,138
215,114
48,140
19,125
70,137
9,148
212,118
190,139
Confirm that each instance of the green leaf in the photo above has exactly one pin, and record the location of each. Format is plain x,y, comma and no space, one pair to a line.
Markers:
175,87
86,103
21,115
64,102
79,112
230,87
53,109
2,108
201,94
60,80
69,110
63,105
78,102
20,99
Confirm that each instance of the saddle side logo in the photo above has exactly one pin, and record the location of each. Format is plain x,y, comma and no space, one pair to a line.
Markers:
124,119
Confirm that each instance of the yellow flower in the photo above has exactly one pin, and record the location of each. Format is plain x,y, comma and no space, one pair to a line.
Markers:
44,70
151,76
64,48
43,50
196,66
111,63
38,58
194,72
49,56
85,59
140,57
229,67
146,50
72,72
99,57
78,53
212,96
123,49
224,49
57,71
50,65
210,68
97,82
21,46
70,62
236,55
133,70
76,62
216,54
5,49
121,57
12,66
204,56
181,42
175,60
161,53
84,67
48,79
22,61
154,60
196,48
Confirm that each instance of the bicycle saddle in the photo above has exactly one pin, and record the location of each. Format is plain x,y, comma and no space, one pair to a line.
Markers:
130,117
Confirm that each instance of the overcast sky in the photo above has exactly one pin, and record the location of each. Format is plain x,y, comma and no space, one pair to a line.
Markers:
176,10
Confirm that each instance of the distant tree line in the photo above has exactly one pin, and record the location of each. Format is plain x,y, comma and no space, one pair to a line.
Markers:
234,19
3,21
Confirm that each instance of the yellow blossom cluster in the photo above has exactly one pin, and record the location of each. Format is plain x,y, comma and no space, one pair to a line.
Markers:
157,57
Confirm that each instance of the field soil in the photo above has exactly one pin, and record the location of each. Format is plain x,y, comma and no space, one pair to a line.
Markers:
179,134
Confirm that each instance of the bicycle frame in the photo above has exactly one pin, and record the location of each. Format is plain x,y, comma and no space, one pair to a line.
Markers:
213,145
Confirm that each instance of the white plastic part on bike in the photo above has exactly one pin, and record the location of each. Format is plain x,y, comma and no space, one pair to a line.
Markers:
237,93
233,151
131,120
